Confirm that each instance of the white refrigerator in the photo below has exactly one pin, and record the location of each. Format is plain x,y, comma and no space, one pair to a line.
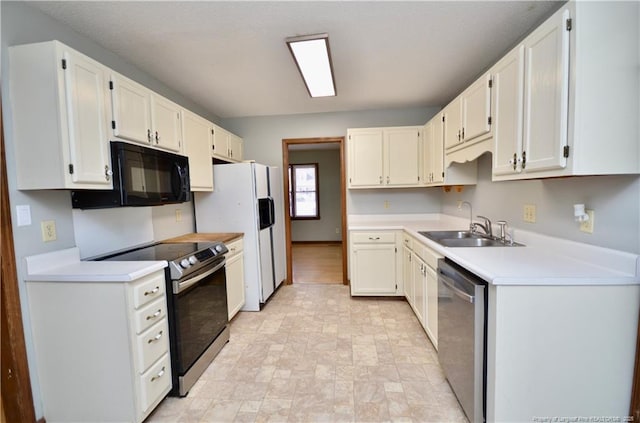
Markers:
248,198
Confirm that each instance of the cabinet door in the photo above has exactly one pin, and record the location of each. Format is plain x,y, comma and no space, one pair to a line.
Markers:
419,289
235,284
85,83
220,142
452,124
235,147
365,157
165,117
432,305
476,109
197,141
402,153
437,149
373,269
407,275
427,152
508,89
131,104
546,95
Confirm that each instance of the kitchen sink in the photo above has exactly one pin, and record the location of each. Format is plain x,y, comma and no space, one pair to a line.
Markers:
465,239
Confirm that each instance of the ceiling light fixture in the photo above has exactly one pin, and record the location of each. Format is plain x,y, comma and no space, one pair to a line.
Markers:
313,59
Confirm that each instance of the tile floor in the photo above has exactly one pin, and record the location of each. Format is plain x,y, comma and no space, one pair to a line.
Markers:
314,354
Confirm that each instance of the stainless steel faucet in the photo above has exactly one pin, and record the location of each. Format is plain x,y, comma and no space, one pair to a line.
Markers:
486,227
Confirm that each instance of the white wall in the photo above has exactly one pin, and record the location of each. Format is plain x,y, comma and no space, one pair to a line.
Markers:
329,226
263,142
22,24
615,200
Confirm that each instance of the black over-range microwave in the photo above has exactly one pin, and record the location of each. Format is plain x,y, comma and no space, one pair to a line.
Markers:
142,176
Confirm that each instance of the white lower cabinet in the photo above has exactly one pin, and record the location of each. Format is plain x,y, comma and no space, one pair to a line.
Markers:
420,265
102,348
235,277
374,268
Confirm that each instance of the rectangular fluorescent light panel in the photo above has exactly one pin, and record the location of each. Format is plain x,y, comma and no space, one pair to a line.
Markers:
311,54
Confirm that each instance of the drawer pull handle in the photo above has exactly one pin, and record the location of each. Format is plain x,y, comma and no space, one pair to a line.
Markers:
374,238
155,338
233,249
153,291
159,375
154,315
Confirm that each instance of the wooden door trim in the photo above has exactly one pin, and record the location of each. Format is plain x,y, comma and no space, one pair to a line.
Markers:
634,410
343,198
17,397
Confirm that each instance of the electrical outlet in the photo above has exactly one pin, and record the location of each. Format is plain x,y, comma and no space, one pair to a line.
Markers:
337,230
587,226
529,215
48,230
178,215
387,204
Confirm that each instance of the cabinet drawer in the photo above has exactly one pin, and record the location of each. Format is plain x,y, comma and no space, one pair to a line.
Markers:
151,344
149,315
235,247
427,255
148,289
155,382
373,237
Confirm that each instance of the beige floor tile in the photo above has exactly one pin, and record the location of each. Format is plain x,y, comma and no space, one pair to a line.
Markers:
314,354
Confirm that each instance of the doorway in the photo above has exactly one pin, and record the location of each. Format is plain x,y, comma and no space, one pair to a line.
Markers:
304,250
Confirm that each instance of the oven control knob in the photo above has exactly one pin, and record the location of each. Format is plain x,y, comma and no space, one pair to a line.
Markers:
185,263
193,260
219,248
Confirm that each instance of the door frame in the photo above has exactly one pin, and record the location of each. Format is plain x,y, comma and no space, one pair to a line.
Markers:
286,142
16,398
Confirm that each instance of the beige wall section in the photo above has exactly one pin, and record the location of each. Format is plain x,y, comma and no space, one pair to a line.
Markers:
328,227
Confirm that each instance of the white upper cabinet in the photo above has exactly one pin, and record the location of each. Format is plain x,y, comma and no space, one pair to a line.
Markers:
508,91
196,134
476,109
402,155
566,99
226,146
468,117
434,172
142,116
384,157
131,104
365,164
546,95
60,111
165,123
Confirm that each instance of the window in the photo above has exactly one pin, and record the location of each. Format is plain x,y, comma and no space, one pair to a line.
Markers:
303,191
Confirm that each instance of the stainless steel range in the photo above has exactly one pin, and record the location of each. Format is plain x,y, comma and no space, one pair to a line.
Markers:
197,302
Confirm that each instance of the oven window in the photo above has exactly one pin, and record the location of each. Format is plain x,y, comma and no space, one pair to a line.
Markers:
201,314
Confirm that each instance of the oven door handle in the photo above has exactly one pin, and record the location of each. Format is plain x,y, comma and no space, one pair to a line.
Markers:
448,282
179,286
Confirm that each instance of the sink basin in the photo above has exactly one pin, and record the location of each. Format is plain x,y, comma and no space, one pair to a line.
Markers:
436,235
464,239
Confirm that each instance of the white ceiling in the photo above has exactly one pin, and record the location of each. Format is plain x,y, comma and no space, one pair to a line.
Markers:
230,57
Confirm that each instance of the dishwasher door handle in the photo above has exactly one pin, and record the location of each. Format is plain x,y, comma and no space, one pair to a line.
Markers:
450,284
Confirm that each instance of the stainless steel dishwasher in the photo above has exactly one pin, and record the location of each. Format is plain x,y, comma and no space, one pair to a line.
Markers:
462,299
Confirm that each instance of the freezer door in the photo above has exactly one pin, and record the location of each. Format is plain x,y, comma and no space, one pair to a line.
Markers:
279,243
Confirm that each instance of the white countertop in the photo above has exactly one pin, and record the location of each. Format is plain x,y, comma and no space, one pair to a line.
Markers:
66,266
543,260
